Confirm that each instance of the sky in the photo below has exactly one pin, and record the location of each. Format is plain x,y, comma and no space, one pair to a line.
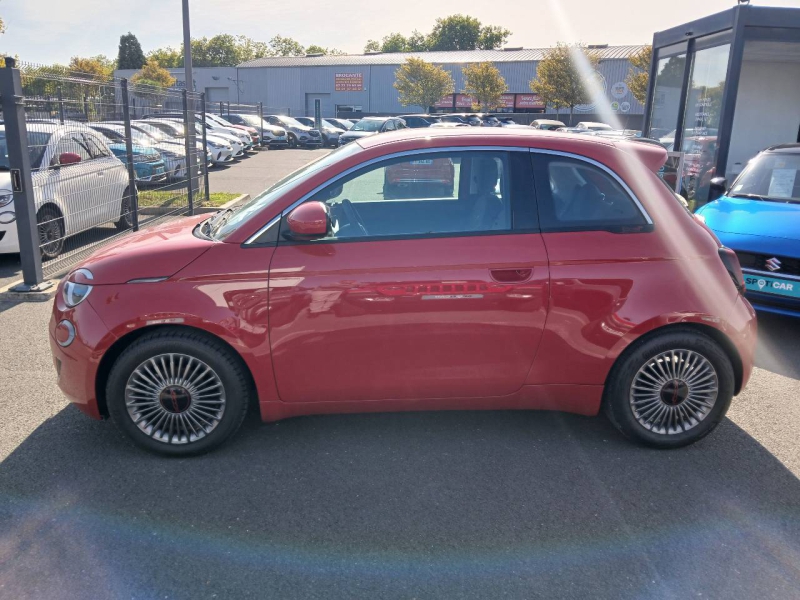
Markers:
50,31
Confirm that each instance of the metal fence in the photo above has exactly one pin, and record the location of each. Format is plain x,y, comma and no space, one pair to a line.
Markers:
90,159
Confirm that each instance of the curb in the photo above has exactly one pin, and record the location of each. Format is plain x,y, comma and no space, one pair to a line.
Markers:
8,295
202,210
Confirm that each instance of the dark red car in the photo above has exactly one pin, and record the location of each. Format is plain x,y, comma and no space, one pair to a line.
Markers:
562,275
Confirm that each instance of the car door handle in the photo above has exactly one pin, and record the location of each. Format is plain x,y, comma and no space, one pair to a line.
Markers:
511,275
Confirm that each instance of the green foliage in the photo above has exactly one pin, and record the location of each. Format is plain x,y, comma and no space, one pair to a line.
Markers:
485,84
416,42
462,32
168,57
560,78
639,75
130,54
394,42
315,49
372,46
153,74
285,46
420,83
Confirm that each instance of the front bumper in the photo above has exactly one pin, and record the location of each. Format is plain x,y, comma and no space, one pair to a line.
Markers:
77,365
9,243
221,156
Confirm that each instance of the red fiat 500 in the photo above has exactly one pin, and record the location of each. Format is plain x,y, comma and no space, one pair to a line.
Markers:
560,274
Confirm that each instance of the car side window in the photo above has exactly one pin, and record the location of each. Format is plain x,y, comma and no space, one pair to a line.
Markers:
97,148
388,126
74,143
576,195
427,194
400,124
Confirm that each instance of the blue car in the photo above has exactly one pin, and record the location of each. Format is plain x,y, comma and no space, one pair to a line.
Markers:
148,165
759,218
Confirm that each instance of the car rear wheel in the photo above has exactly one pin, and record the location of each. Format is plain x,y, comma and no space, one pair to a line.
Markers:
126,212
292,141
50,226
178,393
671,389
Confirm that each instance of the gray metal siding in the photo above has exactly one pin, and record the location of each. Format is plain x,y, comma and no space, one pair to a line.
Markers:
287,86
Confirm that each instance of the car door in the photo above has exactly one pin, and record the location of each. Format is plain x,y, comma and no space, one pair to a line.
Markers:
599,242
423,294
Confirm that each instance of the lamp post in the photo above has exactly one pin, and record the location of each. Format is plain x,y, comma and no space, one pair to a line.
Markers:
191,145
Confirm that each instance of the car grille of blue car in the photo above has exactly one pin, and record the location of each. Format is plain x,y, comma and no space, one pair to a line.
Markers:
758,262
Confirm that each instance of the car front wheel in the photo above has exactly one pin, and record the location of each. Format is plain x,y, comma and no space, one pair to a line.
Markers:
671,389
178,392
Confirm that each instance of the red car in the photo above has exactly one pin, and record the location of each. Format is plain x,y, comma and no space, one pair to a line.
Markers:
563,275
426,177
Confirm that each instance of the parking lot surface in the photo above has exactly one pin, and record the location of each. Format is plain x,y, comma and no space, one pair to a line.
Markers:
414,505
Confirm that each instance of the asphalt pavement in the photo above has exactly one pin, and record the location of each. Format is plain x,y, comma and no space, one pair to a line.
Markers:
415,505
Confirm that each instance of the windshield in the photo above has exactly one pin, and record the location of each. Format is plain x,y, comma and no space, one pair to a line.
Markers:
219,120
151,131
277,190
289,122
37,143
365,125
252,120
770,176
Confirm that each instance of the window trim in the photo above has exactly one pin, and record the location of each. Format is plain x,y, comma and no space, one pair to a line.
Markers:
626,188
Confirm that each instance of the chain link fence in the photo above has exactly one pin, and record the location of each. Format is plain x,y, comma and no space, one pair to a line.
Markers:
86,159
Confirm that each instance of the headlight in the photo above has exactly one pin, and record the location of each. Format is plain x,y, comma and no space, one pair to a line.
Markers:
214,144
6,197
75,293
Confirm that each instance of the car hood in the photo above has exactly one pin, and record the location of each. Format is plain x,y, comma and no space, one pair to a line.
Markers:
158,251
753,217
135,148
357,134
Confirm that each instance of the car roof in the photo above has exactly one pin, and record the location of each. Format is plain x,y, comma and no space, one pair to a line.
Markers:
785,148
377,118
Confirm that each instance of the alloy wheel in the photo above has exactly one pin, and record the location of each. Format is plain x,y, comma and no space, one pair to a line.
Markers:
175,398
674,391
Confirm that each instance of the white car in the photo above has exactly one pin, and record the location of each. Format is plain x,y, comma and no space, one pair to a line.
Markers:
237,147
78,184
239,135
252,137
592,126
273,136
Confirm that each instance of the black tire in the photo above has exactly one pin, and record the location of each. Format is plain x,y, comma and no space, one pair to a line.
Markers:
292,141
50,227
617,395
126,212
235,383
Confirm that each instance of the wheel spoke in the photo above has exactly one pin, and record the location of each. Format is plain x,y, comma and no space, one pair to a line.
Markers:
674,391
176,398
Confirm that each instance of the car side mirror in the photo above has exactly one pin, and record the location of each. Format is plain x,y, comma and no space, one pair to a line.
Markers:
717,187
68,158
309,220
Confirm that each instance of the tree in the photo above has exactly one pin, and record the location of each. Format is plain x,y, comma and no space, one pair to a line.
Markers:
485,84
547,94
154,75
420,83
416,42
100,67
372,46
394,42
285,46
639,75
315,49
462,32
130,52
168,57
562,75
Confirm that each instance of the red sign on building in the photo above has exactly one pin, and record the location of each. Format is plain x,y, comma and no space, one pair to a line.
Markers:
507,101
446,102
463,101
348,82
529,101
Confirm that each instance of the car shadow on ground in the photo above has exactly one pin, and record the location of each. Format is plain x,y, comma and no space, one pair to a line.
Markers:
415,505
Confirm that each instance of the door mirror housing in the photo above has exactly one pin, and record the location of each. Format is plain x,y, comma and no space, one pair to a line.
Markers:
718,186
309,220
68,158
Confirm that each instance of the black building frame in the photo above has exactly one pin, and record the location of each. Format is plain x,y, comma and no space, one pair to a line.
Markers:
743,23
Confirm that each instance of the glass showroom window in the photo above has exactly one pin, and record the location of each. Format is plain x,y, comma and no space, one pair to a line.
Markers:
667,93
701,121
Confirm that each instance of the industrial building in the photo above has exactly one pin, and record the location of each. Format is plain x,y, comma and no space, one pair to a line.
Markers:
348,85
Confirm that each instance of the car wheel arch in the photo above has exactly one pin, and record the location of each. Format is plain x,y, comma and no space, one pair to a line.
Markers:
631,341
119,346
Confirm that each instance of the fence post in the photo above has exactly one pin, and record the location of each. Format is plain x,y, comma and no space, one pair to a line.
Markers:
205,162
21,181
189,139
261,121
133,192
60,106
